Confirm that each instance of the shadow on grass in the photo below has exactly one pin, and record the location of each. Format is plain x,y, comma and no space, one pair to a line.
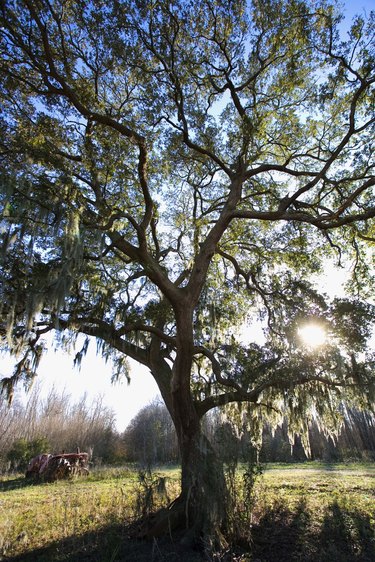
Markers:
344,535
281,535
110,544
18,483
347,535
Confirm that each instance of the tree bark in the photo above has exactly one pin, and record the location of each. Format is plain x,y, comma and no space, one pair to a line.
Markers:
203,491
199,515
200,510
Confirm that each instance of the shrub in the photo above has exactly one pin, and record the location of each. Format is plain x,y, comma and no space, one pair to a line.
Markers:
23,450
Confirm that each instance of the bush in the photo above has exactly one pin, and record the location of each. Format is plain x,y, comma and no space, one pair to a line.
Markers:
23,450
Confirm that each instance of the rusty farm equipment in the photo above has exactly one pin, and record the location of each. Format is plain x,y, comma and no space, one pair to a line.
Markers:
57,467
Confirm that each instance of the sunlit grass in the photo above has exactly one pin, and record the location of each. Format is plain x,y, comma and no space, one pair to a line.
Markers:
45,513
36,515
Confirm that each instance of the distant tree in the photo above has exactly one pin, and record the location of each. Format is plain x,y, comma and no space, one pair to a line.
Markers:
151,437
172,172
357,437
355,440
227,442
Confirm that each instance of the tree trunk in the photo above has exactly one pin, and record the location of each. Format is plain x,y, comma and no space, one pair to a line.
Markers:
200,510
203,491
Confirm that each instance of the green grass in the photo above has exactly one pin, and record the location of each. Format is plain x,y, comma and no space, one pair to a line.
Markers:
305,512
36,515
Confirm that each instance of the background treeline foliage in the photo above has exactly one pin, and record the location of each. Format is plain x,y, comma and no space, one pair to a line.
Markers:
356,440
55,423
150,439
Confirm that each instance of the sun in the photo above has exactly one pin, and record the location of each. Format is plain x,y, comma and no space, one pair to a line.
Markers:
312,335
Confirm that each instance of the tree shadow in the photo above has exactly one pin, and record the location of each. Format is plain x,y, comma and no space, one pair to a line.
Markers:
329,467
281,534
344,535
18,483
111,543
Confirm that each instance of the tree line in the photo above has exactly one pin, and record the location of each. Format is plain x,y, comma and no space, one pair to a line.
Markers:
150,439
56,423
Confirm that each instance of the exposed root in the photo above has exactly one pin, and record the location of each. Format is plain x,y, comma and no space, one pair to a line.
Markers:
171,521
162,522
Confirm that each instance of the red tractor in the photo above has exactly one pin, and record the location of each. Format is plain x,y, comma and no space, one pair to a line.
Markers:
56,467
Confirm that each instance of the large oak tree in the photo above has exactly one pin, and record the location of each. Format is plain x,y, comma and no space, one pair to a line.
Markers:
174,174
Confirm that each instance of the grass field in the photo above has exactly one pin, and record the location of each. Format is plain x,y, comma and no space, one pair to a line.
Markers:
310,512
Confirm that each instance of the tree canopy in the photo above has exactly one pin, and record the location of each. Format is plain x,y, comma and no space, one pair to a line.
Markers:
176,174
